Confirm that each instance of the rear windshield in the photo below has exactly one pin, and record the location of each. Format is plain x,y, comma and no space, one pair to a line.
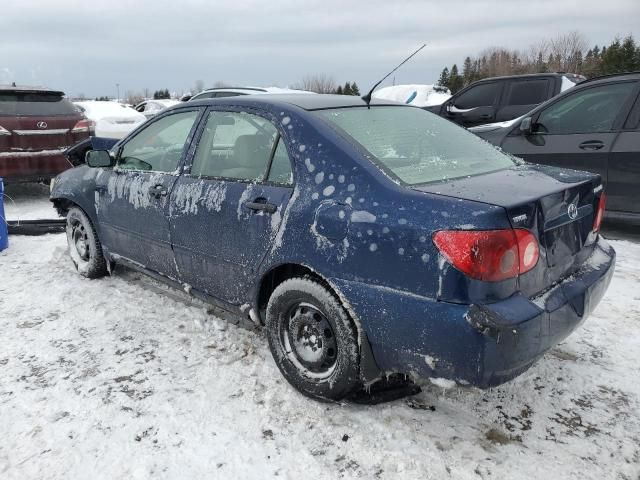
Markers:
35,104
415,146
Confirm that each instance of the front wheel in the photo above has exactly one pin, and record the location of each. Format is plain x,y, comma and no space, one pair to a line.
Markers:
84,246
312,339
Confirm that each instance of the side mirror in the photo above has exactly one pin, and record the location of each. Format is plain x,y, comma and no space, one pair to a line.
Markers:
99,158
525,125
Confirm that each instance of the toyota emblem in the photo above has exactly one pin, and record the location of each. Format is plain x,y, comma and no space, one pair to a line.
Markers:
572,211
41,125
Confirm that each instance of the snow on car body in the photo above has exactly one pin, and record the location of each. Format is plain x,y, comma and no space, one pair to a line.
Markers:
416,95
369,241
112,119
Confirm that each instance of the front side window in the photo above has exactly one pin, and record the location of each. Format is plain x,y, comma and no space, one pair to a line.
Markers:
416,146
160,146
528,92
234,145
483,95
587,111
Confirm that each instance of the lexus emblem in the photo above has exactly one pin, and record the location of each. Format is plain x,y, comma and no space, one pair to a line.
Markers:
41,125
572,211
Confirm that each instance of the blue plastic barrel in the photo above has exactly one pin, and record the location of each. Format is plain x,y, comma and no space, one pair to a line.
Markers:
4,234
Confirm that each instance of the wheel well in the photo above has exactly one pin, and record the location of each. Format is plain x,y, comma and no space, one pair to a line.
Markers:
62,205
281,273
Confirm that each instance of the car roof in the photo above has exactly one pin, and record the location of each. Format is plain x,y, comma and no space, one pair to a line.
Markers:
301,100
530,75
29,89
252,90
613,76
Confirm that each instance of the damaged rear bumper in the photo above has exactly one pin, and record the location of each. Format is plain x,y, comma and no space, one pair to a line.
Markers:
481,345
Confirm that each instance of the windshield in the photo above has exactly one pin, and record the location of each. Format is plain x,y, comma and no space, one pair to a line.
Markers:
416,146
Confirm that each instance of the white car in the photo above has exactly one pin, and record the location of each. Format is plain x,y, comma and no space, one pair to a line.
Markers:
150,108
112,119
235,91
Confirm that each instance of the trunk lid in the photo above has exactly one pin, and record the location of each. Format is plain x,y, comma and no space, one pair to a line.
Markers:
557,205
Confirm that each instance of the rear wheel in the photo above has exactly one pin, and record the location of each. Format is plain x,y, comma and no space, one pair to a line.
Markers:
312,339
84,246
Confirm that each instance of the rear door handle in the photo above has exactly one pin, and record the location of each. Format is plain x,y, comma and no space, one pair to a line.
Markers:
261,204
158,191
591,145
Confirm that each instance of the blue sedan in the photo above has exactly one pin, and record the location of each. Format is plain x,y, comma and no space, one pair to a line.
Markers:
367,239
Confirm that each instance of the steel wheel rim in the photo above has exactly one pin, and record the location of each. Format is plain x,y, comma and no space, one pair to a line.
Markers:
309,340
79,241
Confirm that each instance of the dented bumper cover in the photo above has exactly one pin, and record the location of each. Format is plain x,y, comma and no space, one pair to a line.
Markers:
481,345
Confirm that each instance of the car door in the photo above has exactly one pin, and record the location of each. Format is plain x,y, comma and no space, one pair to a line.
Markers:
576,131
522,95
623,192
475,105
132,199
227,210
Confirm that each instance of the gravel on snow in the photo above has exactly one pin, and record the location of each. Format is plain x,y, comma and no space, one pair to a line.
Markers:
117,378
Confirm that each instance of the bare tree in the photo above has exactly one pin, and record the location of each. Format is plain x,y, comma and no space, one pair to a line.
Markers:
199,86
221,84
566,51
319,83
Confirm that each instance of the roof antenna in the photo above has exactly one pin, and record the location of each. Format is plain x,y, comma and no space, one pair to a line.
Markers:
367,97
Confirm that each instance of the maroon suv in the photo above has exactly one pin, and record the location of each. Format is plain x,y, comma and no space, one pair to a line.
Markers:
36,126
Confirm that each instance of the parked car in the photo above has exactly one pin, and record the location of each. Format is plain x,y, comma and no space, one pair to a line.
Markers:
236,91
363,245
36,126
594,126
150,108
503,98
112,119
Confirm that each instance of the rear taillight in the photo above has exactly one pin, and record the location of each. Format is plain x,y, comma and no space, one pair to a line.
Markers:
84,126
597,221
4,131
489,255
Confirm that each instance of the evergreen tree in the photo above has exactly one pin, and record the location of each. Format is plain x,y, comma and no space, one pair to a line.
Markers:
354,89
467,71
339,90
346,90
455,80
444,77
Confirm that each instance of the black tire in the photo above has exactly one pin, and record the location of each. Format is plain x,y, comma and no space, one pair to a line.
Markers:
84,246
312,339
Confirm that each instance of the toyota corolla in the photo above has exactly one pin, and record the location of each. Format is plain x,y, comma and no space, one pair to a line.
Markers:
366,239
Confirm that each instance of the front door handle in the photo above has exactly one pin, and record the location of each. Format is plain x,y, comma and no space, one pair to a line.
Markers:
261,205
591,145
158,191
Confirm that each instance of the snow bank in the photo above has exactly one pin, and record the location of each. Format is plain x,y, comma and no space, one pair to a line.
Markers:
419,95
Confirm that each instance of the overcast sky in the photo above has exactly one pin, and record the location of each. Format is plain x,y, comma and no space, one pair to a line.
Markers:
89,46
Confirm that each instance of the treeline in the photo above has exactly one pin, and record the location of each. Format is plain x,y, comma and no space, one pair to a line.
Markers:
348,89
161,94
565,53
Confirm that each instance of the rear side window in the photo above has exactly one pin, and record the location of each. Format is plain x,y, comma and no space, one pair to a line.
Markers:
234,145
527,92
35,104
483,95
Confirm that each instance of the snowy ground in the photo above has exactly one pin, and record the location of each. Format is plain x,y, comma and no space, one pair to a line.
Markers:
118,378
